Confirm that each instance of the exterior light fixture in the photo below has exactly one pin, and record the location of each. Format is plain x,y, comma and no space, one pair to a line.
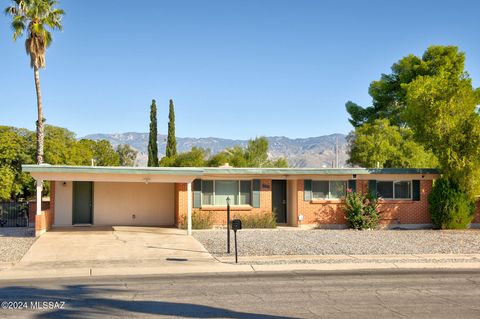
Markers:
146,180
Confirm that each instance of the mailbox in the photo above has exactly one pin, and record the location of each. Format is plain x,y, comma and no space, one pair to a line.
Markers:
236,224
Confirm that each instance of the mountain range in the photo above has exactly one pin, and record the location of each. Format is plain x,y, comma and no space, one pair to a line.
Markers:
299,152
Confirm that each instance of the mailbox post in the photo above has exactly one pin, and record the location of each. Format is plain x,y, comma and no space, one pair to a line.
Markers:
236,225
228,225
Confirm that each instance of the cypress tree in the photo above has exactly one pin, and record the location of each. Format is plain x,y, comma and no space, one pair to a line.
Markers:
152,139
171,150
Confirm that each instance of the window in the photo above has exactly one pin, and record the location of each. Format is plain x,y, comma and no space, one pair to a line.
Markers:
207,192
394,189
216,192
328,189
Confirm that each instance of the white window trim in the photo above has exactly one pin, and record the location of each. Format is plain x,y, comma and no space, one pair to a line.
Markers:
329,196
393,190
239,192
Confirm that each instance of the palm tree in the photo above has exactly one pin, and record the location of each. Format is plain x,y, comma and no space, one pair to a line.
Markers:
35,17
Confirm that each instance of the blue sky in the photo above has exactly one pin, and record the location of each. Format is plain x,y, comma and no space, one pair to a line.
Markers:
235,69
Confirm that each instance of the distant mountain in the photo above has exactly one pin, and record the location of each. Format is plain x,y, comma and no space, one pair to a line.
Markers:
300,152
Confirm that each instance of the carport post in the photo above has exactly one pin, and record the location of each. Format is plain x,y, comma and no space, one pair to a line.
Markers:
39,196
189,208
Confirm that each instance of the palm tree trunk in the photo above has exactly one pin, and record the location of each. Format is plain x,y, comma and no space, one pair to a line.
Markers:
40,117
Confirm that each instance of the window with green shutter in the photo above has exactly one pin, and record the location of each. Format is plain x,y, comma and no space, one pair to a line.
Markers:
307,190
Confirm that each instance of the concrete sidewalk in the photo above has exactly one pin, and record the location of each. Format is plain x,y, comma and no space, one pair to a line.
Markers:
165,267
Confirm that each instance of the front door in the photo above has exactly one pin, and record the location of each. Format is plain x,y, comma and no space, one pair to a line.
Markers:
82,203
279,200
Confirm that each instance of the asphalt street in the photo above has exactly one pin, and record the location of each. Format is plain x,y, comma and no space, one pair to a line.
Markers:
366,294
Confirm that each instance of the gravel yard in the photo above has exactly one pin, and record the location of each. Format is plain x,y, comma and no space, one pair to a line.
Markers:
262,242
15,242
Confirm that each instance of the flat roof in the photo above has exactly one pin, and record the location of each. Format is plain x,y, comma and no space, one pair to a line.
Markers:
199,171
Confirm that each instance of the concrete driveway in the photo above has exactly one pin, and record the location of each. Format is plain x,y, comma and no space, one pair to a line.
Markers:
110,250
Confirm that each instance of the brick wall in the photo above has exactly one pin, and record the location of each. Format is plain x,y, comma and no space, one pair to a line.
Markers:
328,212
181,202
476,220
44,221
219,214
319,212
32,209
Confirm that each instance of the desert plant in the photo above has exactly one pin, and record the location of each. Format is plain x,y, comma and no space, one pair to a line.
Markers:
449,207
200,220
361,210
259,220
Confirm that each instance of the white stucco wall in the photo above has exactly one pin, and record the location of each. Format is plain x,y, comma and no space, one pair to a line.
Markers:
63,204
116,202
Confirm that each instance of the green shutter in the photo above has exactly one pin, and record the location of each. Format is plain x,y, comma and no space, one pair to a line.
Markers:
352,184
372,187
256,193
197,193
416,190
307,190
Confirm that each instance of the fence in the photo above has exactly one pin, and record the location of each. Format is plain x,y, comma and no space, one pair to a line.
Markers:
14,214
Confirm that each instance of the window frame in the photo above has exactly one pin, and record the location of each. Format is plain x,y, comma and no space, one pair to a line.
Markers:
239,185
329,181
393,189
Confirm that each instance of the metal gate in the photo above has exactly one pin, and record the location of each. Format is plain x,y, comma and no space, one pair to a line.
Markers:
13,214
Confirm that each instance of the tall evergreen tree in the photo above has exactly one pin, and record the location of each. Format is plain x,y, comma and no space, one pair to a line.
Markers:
152,140
171,150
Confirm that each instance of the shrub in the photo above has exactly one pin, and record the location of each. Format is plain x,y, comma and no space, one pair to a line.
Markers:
259,220
200,220
361,210
449,207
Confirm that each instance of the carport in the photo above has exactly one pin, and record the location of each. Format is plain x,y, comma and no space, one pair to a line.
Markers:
111,196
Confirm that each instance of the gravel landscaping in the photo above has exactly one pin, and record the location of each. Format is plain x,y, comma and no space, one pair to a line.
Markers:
261,242
15,242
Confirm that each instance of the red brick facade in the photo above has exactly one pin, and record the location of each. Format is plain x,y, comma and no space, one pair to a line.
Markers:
329,212
320,212
219,213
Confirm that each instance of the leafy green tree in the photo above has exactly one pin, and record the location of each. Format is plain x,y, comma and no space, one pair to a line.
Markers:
61,147
7,180
126,154
442,111
218,159
102,152
16,148
254,155
389,93
171,149
196,157
152,139
449,206
380,144
36,17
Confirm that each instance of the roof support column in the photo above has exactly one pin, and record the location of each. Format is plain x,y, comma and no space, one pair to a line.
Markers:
39,196
189,208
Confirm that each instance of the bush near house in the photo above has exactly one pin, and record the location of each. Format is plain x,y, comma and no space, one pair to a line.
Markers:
361,210
200,220
449,207
259,220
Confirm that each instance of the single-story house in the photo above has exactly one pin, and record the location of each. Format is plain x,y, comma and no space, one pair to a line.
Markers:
299,197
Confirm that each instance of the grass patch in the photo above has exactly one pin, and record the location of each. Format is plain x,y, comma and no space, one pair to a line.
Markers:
200,220
259,220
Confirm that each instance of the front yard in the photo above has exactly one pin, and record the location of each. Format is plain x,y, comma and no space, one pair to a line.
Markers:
269,242
15,242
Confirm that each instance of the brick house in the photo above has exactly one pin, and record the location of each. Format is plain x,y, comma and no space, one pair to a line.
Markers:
299,197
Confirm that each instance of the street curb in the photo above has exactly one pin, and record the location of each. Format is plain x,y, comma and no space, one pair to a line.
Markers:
17,274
